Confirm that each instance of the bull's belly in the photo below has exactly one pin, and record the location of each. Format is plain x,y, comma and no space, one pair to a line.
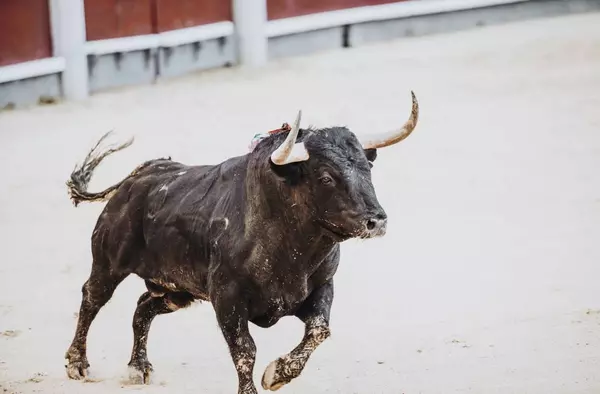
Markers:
160,285
267,317
174,276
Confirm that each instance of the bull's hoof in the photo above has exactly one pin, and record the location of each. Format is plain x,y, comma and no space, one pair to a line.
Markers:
140,373
77,369
272,379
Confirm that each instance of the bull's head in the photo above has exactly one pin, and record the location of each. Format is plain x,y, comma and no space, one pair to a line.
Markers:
333,168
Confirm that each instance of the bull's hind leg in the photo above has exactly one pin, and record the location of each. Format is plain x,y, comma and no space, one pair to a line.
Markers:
96,292
314,312
148,308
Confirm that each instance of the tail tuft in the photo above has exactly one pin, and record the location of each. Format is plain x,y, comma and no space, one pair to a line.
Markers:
82,174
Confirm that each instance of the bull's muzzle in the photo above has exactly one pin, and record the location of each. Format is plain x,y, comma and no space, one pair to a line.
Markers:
375,226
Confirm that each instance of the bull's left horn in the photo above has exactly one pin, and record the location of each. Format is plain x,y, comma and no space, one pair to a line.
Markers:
393,137
290,151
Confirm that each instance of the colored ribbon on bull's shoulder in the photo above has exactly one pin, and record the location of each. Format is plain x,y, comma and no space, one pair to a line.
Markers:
261,136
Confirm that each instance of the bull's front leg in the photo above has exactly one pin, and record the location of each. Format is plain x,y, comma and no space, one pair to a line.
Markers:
233,321
314,312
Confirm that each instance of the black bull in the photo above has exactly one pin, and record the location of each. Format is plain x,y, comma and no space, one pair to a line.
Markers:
257,235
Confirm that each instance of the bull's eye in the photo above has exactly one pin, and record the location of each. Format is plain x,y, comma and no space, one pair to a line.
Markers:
326,179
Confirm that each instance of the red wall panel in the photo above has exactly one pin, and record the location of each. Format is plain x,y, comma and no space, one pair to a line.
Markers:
117,18
24,31
123,18
287,8
178,14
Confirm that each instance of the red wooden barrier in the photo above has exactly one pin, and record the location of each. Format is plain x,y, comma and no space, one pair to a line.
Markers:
278,9
122,18
178,14
24,31
117,18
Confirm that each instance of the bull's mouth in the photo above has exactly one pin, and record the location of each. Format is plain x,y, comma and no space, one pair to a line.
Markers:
334,231
339,234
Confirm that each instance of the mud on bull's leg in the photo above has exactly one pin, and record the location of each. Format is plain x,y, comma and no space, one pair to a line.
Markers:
96,292
148,308
244,356
315,314
234,326
281,371
243,353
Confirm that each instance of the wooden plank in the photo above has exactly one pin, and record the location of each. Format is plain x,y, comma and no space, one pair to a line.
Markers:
278,9
117,18
180,14
24,31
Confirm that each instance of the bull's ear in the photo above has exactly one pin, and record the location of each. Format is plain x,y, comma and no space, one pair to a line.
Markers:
371,154
290,173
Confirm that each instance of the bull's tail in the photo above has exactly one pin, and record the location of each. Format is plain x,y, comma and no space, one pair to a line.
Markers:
82,174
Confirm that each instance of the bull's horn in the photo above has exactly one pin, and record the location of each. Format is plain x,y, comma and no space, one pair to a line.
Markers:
290,151
393,137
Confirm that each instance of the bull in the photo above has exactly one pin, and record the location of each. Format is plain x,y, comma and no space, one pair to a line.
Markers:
258,236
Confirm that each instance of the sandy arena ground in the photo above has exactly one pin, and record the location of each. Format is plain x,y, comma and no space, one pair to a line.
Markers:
487,281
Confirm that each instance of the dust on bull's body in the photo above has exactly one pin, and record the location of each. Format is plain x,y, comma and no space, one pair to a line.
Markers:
258,236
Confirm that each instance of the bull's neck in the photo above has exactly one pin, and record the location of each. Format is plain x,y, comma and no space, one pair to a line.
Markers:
275,215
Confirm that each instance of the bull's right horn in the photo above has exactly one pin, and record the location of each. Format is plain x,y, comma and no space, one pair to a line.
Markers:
290,151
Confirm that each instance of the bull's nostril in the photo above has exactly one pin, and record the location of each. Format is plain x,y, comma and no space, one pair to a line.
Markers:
371,224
